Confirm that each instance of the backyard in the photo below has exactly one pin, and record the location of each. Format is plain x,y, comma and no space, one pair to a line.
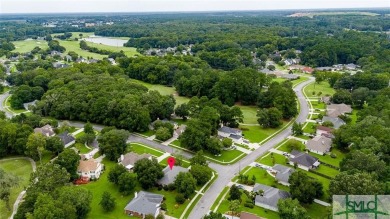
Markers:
257,134
21,168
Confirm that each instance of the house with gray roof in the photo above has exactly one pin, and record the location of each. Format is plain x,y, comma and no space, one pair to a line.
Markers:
290,76
319,144
67,139
336,121
336,110
144,203
170,175
282,173
232,133
128,160
46,130
303,160
270,197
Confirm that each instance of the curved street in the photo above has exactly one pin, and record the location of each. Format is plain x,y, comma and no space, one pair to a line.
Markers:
225,173
3,97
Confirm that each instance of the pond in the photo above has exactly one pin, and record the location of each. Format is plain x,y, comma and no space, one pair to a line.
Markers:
106,41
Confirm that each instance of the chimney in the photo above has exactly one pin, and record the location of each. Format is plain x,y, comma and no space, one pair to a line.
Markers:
135,194
122,157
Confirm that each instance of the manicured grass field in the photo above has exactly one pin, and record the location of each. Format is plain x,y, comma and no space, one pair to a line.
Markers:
329,160
165,90
310,127
141,149
269,161
327,171
257,134
101,185
75,47
173,209
225,190
23,46
224,207
317,105
82,148
148,133
185,163
284,147
226,156
300,80
21,168
129,51
265,178
323,87
250,114
316,211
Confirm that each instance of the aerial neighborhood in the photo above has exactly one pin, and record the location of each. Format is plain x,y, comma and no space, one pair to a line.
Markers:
215,114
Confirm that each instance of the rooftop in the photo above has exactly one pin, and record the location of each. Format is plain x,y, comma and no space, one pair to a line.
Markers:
170,175
335,110
145,203
282,172
271,195
88,165
128,160
302,158
319,143
229,130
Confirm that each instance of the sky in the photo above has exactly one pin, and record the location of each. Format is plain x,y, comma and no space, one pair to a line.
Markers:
55,6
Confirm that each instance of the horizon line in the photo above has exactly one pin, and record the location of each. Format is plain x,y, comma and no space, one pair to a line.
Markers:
196,11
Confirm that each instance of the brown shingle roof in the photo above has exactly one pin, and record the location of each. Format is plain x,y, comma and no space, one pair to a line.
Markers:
88,165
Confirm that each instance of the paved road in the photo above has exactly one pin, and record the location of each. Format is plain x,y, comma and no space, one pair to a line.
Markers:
226,173
2,98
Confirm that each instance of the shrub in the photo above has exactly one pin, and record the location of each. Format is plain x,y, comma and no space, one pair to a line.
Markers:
248,205
332,155
164,206
171,187
180,198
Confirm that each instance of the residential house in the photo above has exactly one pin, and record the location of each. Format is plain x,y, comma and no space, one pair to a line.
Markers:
93,61
324,68
269,197
46,130
290,76
89,169
319,145
307,70
68,58
336,110
336,121
144,203
303,160
326,100
29,104
232,133
54,53
112,61
81,60
67,139
282,173
323,130
60,65
170,175
352,66
128,160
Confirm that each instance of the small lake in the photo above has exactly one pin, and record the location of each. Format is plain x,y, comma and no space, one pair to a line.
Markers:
106,41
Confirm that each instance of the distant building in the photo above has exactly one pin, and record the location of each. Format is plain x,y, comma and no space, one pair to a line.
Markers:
46,130
303,160
89,169
128,160
170,175
307,70
270,197
282,173
144,203
319,145
60,65
290,76
67,139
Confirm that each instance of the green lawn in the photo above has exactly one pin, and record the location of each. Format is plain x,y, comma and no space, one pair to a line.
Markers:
250,114
279,80
323,87
8,104
318,105
300,80
265,178
129,51
176,142
165,90
327,171
75,47
101,185
141,149
82,149
353,116
225,190
284,147
5,90
81,134
329,160
173,209
224,207
185,163
148,133
226,156
21,168
273,159
23,46
310,127
316,211
257,134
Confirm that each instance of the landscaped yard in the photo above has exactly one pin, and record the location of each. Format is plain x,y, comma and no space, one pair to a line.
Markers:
284,147
21,168
263,177
318,105
272,159
329,160
185,163
226,156
296,82
8,105
174,210
141,149
82,149
323,87
326,170
310,127
148,133
257,134
250,114
23,46
316,211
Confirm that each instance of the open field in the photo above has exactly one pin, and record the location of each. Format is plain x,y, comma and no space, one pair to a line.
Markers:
257,134
334,13
250,114
129,51
21,168
323,87
141,149
23,46
75,47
